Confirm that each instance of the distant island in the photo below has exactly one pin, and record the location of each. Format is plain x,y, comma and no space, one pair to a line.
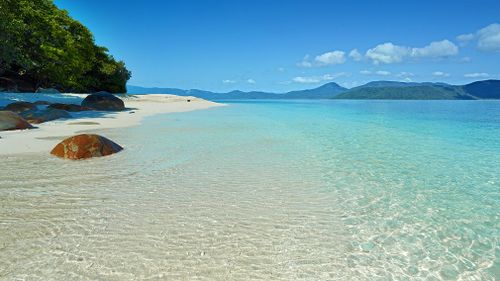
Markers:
42,47
385,90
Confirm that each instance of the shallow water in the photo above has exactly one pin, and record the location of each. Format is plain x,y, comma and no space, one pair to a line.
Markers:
267,190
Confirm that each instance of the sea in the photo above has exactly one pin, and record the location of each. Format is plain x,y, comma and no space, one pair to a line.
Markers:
266,190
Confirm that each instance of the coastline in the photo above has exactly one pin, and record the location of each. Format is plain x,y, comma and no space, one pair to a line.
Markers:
47,135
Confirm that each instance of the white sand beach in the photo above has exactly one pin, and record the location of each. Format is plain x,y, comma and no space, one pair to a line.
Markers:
47,135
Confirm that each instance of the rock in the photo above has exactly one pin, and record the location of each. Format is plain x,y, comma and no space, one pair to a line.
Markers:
85,146
42,102
47,91
12,121
16,85
103,101
41,116
20,106
7,85
69,107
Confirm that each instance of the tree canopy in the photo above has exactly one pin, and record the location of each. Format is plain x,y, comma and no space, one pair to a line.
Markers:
42,46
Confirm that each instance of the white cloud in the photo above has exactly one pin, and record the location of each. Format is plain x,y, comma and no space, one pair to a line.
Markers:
383,73
440,74
387,53
405,74
306,80
489,38
355,55
390,53
227,81
350,84
378,72
318,79
335,75
477,75
305,62
465,37
281,69
330,58
251,81
444,48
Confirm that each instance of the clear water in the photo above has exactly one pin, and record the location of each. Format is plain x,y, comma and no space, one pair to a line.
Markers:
267,190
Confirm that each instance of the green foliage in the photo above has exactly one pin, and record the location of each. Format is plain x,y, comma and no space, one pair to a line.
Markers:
41,44
425,92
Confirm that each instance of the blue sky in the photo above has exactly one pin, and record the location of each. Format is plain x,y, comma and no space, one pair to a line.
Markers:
275,45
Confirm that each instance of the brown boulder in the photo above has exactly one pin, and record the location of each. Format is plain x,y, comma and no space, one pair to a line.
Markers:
12,121
20,106
85,146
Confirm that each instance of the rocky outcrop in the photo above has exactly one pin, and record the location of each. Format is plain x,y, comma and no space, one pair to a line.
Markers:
69,107
85,146
103,101
20,106
47,91
42,102
12,121
41,116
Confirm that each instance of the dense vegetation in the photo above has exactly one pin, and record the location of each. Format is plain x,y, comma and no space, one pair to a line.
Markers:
41,46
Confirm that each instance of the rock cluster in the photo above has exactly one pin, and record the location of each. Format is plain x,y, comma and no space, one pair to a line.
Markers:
43,111
19,115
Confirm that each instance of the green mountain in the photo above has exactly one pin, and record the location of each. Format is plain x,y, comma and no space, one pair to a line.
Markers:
422,92
489,89
388,90
326,91
396,84
42,46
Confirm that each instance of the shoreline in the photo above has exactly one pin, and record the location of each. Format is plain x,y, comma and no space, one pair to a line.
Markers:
49,134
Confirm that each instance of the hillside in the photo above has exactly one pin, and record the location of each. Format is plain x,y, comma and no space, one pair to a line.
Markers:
397,84
488,89
326,91
422,92
41,46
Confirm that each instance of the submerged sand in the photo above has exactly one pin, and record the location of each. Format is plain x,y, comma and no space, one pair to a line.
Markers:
48,134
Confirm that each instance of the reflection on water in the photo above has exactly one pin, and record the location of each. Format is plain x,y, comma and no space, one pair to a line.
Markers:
267,190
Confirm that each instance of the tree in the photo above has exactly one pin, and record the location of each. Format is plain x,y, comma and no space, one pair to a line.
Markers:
43,46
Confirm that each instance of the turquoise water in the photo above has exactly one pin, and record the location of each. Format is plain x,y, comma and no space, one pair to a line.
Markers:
269,190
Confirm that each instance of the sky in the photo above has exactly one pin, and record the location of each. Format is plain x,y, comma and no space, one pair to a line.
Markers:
278,46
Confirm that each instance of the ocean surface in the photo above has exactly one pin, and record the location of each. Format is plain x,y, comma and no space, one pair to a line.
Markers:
267,190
